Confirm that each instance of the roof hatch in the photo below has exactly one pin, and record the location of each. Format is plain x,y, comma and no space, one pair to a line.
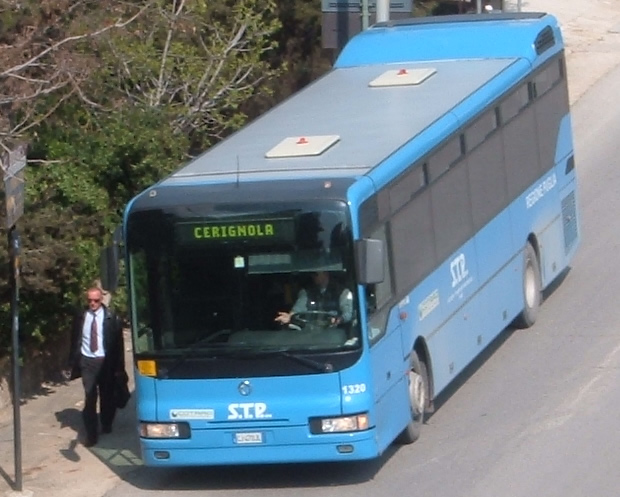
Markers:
403,77
300,146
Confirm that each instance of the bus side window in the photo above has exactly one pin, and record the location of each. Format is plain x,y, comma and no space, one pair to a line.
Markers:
371,299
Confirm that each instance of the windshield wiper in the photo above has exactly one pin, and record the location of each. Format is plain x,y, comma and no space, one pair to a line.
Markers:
189,352
245,353
321,367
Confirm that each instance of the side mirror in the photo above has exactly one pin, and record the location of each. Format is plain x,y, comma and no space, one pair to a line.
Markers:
369,261
109,263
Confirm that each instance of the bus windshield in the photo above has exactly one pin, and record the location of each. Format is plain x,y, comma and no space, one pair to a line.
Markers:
215,283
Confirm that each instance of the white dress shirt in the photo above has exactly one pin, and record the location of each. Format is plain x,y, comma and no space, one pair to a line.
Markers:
88,319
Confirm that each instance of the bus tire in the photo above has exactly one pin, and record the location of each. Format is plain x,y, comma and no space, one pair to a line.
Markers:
418,399
532,288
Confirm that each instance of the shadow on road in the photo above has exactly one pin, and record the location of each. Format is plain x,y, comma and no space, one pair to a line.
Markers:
120,450
259,476
70,418
121,453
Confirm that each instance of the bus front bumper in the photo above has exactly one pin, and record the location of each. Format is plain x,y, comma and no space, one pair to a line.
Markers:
211,448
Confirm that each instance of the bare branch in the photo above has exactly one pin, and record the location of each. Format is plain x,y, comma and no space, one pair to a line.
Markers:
69,39
36,62
25,125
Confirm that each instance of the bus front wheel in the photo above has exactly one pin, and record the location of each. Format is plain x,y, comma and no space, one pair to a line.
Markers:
532,288
418,399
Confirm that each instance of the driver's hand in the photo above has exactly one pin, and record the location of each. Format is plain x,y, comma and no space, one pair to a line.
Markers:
335,321
283,317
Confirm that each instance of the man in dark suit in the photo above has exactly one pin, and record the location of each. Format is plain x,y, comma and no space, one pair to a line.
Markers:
97,355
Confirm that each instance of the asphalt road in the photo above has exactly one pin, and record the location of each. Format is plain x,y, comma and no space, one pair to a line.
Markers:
536,415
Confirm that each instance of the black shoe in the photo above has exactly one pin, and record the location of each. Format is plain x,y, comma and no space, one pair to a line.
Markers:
106,429
90,442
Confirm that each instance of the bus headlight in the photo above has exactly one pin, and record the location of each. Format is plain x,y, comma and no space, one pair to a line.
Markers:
164,430
342,424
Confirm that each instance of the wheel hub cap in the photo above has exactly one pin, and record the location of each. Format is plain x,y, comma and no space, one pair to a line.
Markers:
417,393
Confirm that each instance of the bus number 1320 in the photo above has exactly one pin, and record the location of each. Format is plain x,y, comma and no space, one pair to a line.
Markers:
353,389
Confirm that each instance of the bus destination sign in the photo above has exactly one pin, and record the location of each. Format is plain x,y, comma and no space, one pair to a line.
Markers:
272,230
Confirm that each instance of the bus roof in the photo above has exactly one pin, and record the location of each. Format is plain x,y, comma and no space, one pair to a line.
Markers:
522,35
397,84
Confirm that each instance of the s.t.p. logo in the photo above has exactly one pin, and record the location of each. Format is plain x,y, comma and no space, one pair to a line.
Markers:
248,410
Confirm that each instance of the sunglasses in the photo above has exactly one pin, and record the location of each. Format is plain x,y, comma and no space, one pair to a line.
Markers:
94,300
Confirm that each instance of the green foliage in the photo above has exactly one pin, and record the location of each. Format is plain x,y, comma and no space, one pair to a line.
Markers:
103,160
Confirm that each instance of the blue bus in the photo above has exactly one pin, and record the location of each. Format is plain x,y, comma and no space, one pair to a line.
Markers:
429,174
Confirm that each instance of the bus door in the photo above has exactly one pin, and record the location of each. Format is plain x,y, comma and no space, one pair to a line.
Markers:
389,362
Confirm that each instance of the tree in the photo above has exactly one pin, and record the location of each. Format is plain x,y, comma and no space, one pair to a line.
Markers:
167,86
195,62
42,66
39,64
112,111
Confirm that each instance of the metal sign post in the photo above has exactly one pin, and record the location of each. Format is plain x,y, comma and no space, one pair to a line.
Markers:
13,239
341,18
14,163
365,15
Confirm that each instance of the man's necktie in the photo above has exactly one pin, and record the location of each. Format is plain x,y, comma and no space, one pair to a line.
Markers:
93,334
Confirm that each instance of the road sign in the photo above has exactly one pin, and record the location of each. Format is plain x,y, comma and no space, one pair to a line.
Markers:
353,6
14,163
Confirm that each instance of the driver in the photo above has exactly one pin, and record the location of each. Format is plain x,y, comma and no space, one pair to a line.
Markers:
322,296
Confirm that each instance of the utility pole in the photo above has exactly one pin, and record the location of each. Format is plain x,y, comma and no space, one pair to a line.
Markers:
383,10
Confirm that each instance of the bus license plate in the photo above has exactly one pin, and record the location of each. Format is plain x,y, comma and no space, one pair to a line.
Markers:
249,438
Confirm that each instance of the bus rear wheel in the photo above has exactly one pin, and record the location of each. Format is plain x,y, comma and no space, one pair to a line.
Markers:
532,288
418,399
